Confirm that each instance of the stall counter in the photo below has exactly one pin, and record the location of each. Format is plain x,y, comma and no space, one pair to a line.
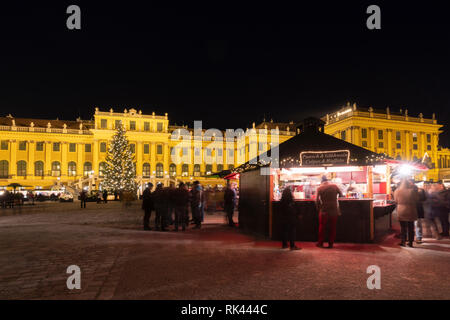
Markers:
357,222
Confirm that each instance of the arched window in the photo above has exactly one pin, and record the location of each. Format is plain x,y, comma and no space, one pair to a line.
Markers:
185,170
159,170
101,169
208,168
56,169
4,169
39,169
196,170
87,168
146,170
398,157
172,170
219,167
72,169
230,167
21,168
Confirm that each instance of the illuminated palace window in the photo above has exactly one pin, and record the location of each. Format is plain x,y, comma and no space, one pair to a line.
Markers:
159,127
398,135
39,146
103,123
196,170
87,168
159,170
4,145
364,133
428,138
172,170
103,147
39,169
72,147
414,136
21,168
4,169
56,146
380,134
185,170
22,145
219,167
146,148
72,169
146,126
56,169
132,125
146,170
208,168
159,149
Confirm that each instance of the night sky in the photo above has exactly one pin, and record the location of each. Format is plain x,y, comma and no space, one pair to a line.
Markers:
224,63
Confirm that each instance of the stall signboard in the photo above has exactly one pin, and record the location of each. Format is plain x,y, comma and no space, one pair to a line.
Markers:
324,158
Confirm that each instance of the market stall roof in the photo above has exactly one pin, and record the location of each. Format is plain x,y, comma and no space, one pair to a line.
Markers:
313,148
415,165
220,174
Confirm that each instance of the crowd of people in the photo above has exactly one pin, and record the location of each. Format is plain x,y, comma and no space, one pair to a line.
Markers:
327,206
173,205
416,207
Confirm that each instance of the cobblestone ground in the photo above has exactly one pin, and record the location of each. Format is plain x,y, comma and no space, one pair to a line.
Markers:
120,261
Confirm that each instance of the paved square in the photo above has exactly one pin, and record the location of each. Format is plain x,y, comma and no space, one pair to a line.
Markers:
119,260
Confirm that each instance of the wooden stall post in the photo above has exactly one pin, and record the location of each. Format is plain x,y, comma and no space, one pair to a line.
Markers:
388,181
370,193
270,203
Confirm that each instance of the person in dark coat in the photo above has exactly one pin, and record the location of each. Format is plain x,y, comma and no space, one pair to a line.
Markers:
83,197
171,195
428,212
422,197
181,202
105,196
328,206
147,205
229,198
196,203
406,198
160,202
288,219
440,206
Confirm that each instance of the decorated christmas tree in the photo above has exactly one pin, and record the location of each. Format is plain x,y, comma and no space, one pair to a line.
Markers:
120,172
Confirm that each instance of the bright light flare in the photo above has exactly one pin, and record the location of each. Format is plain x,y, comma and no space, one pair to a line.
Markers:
405,170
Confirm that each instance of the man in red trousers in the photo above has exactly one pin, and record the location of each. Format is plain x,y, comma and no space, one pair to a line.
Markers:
328,207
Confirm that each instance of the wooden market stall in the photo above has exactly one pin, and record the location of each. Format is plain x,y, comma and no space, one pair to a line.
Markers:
362,175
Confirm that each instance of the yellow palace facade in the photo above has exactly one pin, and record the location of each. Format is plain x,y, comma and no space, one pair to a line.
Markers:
398,134
43,154
47,154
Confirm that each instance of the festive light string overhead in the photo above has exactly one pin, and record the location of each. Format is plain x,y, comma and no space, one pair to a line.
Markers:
295,162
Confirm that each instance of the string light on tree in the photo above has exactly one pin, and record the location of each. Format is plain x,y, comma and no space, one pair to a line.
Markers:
120,172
